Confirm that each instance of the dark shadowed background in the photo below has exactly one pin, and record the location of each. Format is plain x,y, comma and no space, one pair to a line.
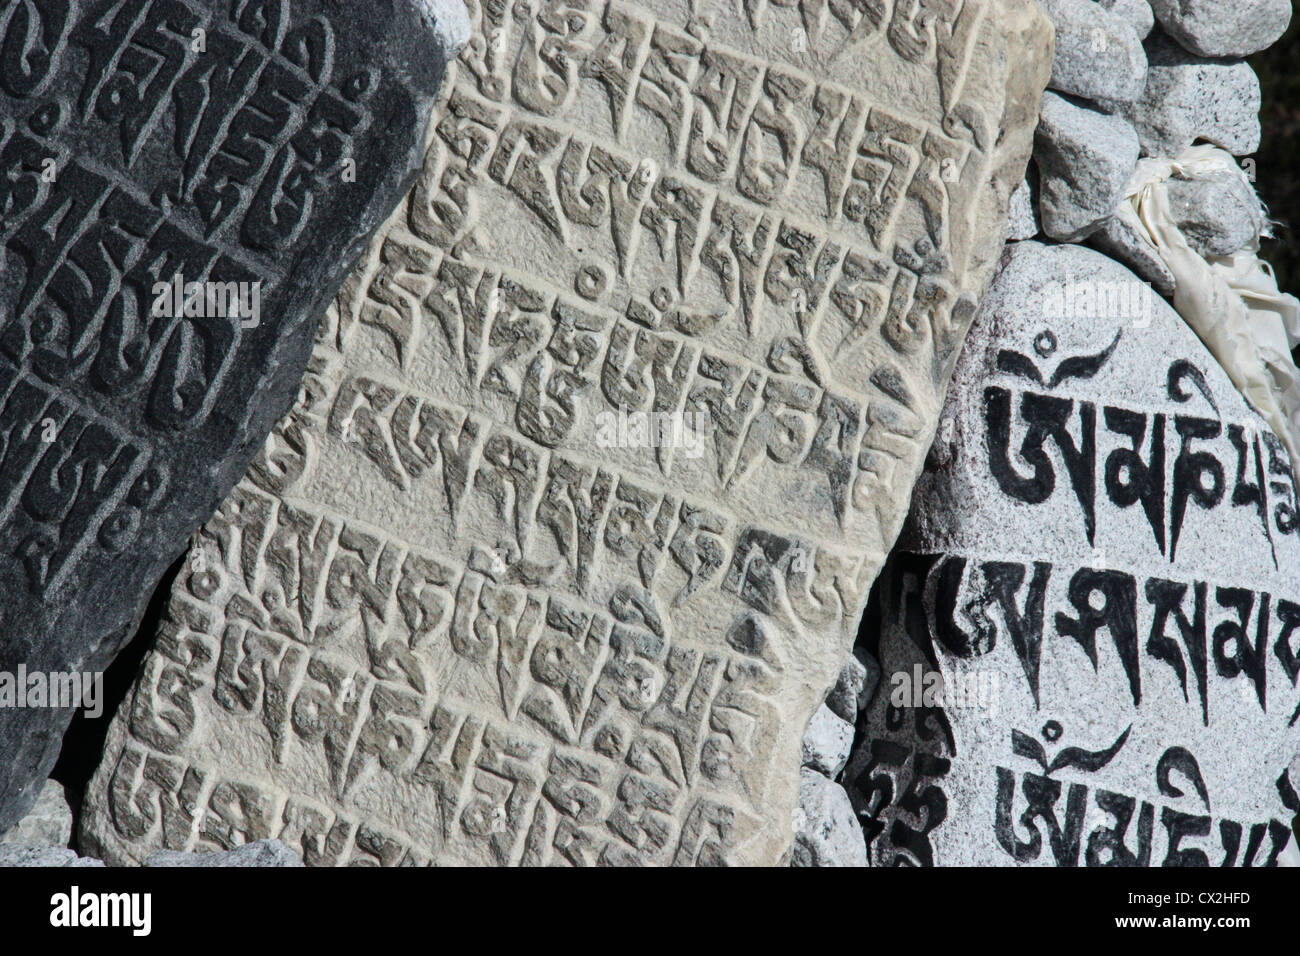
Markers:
1277,164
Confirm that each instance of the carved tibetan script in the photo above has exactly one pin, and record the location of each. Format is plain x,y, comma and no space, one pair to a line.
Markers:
184,185
600,449
1091,624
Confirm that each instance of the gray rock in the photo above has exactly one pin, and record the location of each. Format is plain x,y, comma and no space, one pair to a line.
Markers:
1219,28
1123,243
1218,215
1084,158
844,696
826,831
1188,98
261,854
826,742
48,823
13,854
1099,53
1070,629
872,666
127,420
1136,12
1022,219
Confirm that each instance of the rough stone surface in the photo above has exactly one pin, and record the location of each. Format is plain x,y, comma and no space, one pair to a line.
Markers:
1022,220
1108,687
872,665
1121,242
1223,28
849,686
1098,55
459,613
1188,99
48,822
265,854
249,147
1084,159
1218,215
13,854
1136,12
826,831
827,741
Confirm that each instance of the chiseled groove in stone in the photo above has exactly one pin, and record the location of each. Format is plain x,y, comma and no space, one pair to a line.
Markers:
152,141
444,619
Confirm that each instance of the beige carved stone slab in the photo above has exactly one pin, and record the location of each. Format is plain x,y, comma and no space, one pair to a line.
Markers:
467,607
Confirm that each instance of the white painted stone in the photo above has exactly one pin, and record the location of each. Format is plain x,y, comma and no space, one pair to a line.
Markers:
1032,703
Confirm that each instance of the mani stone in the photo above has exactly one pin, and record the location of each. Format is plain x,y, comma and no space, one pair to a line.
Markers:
1221,28
1090,629
47,823
474,605
184,185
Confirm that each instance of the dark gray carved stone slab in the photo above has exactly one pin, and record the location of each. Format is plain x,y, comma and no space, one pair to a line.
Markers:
250,142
